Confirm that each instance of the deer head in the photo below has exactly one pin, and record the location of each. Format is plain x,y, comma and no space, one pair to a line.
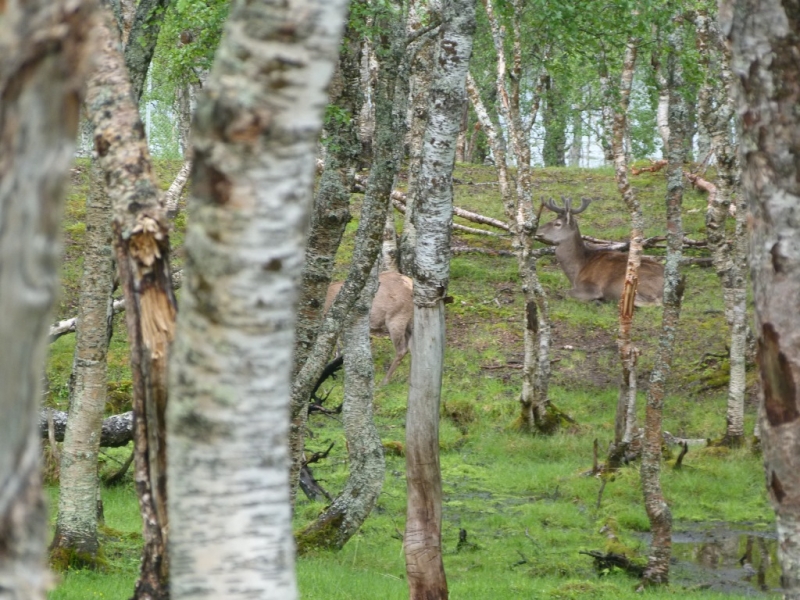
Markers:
564,227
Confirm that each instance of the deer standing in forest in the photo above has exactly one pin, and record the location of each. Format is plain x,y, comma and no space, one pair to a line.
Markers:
596,274
392,311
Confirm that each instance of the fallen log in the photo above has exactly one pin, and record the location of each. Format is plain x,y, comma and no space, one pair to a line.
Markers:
117,429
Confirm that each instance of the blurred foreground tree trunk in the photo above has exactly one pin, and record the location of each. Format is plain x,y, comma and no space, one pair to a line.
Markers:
44,47
141,241
256,131
765,42
433,212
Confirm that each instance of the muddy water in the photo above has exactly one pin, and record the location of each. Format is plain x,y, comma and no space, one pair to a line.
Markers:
725,559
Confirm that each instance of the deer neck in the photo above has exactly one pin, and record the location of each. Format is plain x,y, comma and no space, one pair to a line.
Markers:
572,255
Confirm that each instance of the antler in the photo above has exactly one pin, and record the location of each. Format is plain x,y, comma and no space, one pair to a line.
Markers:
550,205
584,205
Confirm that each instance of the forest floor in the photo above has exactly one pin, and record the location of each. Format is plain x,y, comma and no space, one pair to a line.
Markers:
524,501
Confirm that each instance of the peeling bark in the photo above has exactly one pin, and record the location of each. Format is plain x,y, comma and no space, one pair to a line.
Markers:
44,52
141,241
765,43
625,422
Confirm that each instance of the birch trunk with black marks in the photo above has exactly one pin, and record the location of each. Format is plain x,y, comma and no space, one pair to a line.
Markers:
432,217
765,42
348,511
76,524
657,570
536,411
391,96
44,51
256,130
420,57
625,421
331,210
141,42
141,241
716,112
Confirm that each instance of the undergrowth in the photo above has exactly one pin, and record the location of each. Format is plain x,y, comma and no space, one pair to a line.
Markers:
524,501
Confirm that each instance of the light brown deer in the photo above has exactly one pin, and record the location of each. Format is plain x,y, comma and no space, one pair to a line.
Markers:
596,274
392,311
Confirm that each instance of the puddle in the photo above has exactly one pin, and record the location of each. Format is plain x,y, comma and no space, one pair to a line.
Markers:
726,560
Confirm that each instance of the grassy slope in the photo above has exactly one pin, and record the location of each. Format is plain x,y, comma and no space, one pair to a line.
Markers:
525,506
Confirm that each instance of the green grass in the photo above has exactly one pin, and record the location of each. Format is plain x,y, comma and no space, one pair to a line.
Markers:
524,501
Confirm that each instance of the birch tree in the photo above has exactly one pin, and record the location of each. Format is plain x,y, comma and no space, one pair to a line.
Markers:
141,244
44,51
657,570
390,110
432,217
765,42
76,525
716,113
348,511
536,411
256,130
625,422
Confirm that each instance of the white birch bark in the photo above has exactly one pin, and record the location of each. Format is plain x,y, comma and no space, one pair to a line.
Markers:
76,525
764,42
44,50
432,217
255,136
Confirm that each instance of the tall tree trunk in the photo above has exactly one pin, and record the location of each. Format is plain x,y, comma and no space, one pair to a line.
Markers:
625,422
420,57
76,525
255,137
554,120
141,240
765,41
44,47
331,210
715,108
432,218
391,99
657,570
606,113
576,146
141,43
345,515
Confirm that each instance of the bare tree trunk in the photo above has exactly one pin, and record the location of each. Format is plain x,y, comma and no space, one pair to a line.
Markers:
76,525
331,210
576,146
764,40
141,233
345,515
141,43
255,137
432,217
657,570
420,57
391,97
716,112
625,422
537,413
606,113
44,47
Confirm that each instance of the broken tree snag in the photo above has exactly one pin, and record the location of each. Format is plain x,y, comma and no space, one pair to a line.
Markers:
655,167
141,244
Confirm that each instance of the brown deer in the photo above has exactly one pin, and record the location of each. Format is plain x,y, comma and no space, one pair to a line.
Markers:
596,274
392,311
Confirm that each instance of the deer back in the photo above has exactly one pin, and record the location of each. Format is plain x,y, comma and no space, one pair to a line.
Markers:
393,306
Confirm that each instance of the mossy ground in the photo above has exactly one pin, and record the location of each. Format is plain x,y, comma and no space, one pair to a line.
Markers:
523,500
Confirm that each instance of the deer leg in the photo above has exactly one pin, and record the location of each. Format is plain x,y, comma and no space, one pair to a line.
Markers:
400,343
